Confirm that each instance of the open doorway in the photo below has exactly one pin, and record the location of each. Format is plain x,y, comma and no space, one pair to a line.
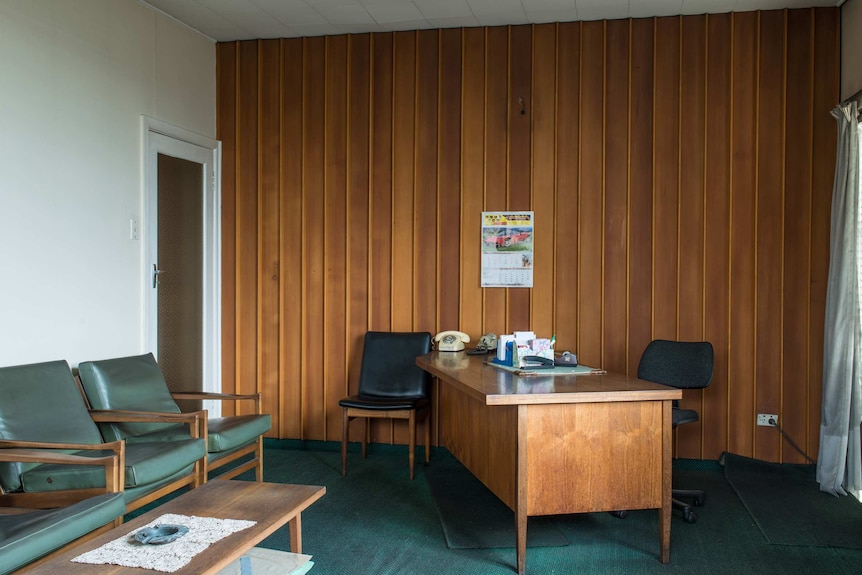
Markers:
182,257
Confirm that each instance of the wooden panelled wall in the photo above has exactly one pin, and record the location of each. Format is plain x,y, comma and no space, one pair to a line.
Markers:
680,170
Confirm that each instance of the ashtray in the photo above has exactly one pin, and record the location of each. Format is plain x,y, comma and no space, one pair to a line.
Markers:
160,534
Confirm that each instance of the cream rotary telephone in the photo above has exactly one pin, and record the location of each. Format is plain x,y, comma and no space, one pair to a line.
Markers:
451,340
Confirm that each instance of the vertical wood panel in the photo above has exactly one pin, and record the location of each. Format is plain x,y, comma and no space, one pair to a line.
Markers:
797,227
449,189
566,230
615,255
717,232
640,191
680,170
590,215
692,155
290,240
381,183
496,148
743,193
313,237
473,107
269,192
403,181
519,164
358,173
770,172
425,239
666,195
246,220
543,112
335,232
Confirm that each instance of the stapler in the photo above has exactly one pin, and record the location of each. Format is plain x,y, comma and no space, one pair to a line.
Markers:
537,362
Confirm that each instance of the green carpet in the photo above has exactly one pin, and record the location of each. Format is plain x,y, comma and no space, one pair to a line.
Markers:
376,521
474,518
788,507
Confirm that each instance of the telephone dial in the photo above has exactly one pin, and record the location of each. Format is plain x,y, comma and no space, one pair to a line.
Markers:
451,340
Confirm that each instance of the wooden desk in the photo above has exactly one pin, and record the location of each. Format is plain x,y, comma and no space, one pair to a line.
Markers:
271,505
548,445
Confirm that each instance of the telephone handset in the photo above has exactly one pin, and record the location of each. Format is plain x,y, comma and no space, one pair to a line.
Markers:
451,340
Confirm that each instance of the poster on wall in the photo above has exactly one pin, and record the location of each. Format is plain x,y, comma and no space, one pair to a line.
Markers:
507,249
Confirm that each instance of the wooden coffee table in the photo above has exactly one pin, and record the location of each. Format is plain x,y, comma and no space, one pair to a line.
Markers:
270,505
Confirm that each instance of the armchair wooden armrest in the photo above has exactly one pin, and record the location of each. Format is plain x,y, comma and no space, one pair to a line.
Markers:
211,395
197,420
41,452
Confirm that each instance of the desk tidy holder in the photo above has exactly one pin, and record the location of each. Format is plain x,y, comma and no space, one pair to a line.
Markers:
524,349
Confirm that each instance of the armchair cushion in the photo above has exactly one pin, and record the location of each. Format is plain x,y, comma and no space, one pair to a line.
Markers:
29,536
228,433
225,433
146,464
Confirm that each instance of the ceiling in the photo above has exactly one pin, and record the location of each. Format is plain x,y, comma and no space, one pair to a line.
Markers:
227,20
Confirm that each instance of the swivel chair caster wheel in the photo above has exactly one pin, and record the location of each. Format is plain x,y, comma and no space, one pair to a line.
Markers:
689,516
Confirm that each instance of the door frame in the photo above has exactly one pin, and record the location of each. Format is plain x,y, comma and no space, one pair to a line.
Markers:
211,331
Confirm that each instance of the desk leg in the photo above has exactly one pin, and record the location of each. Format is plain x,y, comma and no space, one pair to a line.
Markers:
521,492
666,510
295,526
521,542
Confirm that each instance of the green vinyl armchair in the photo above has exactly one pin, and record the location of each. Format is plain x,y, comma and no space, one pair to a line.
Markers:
28,537
41,403
137,383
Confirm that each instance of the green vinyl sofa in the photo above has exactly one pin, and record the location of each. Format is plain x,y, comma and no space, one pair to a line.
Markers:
42,402
30,537
137,383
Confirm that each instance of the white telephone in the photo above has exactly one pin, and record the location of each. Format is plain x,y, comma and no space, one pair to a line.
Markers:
451,340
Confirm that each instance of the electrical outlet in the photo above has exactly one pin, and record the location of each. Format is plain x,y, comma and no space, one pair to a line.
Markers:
767,419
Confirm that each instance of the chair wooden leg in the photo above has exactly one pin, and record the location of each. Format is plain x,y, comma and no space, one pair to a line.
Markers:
411,453
258,470
428,438
345,423
366,436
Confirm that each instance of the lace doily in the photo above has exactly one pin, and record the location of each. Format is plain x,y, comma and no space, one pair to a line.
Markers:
167,558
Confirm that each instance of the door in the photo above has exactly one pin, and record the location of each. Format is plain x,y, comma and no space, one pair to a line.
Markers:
182,260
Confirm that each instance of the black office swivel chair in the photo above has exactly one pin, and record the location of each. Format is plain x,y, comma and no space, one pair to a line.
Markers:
684,365
391,386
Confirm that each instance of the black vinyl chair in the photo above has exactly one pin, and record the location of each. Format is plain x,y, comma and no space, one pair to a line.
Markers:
391,386
684,365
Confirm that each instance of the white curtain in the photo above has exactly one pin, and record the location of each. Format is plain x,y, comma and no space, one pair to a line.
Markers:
839,463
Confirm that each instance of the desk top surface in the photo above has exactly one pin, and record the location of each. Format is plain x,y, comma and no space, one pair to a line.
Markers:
495,386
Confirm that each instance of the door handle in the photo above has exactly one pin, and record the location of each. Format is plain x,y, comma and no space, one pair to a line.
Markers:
156,273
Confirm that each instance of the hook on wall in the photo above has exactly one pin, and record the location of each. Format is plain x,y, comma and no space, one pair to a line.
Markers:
523,105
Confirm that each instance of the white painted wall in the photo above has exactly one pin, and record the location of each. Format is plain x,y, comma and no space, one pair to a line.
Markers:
851,48
75,78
